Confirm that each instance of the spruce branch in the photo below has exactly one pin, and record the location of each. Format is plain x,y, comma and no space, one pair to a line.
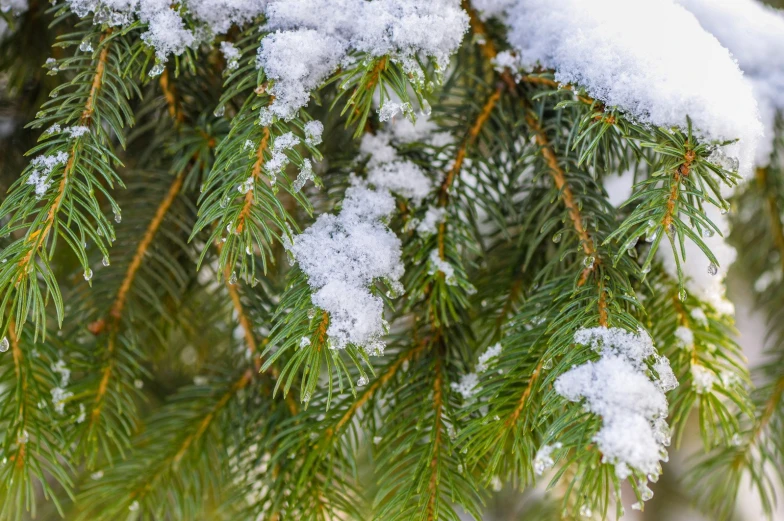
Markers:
74,160
33,436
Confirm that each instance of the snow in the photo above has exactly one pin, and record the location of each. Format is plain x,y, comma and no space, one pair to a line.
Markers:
59,394
507,60
491,8
484,360
311,38
42,168
685,337
76,131
166,30
342,256
305,175
313,132
702,379
403,178
279,159
641,68
231,54
297,62
437,264
699,316
544,458
13,6
432,218
390,108
386,169
754,34
467,387
616,387
220,15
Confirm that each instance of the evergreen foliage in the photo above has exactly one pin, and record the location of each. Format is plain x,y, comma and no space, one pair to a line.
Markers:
167,351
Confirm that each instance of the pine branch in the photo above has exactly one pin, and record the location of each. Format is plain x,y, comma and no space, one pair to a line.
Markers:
33,438
73,160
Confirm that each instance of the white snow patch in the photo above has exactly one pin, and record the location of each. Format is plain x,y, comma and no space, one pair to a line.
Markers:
754,34
342,256
630,54
616,387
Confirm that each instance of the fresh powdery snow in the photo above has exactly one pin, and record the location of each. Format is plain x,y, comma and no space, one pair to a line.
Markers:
631,404
342,256
754,34
386,169
649,58
310,38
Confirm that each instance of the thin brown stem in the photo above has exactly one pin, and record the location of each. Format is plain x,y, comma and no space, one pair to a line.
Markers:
255,174
773,211
438,406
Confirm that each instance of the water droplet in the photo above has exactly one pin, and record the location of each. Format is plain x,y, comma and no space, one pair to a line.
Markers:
233,278
86,46
426,109
736,440
105,261
376,440
589,261
362,381
682,295
557,237
88,274
713,269
248,250
547,364
156,70
734,164
220,111
4,345
646,494
311,313
117,217
646,269
708,232
725,210
637,506
585,511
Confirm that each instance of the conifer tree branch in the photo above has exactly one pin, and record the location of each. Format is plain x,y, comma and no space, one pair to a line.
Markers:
38,237
773,211
377,384
169,94
438,406
255,174
115,312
